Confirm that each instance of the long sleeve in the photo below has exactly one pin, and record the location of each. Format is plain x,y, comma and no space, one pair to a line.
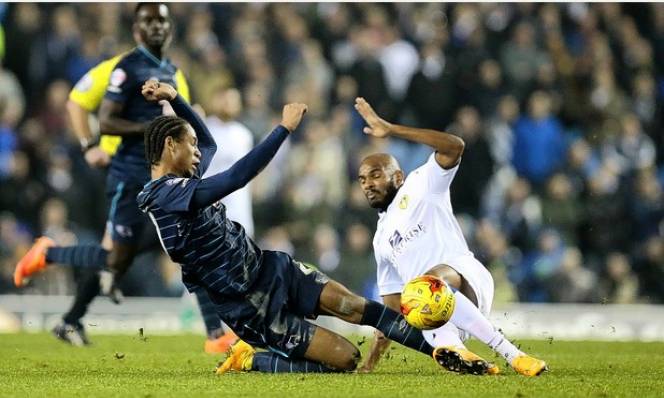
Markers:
214,188
206,143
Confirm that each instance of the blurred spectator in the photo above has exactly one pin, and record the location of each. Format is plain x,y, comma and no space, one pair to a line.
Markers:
647,206
470,182
369,73
632,150
582,164
53,115
539,143
501,130
326,248
521,58
621,286
561,208
515,210
650,266
604,205
516,81
12,101
316,176
234,141
400,61
572,282
22,58
277,239
20,193
357,262
432,91
486,94
494,251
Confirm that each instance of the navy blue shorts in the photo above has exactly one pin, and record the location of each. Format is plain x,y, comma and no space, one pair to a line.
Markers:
271,315
126,222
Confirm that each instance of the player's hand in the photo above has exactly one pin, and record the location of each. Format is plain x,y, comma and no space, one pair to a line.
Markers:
154,91
96,157
376,126
365,368
166,108
292,115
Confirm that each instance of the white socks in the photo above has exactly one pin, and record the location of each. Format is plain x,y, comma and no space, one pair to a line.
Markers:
467,316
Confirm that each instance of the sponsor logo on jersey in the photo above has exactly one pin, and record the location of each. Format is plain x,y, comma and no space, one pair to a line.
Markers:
399,241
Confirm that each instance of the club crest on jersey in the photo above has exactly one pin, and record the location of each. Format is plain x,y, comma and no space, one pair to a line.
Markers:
403,203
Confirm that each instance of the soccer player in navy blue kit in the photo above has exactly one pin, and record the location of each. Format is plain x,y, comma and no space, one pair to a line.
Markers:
123,112
264,296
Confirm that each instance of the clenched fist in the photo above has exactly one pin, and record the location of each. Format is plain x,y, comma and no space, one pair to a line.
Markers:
292,115
153,91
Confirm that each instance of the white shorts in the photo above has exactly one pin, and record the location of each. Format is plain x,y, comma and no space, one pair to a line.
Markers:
478,277
481,281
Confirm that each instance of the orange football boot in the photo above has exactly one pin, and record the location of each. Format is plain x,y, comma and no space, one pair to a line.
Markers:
33,261
221,344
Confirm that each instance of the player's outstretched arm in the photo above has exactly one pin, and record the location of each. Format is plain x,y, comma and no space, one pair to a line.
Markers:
449,148
216,187
209,190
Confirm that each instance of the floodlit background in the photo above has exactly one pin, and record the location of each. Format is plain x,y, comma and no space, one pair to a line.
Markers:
560,189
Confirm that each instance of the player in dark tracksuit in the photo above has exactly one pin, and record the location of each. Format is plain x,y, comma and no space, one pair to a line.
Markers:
264,296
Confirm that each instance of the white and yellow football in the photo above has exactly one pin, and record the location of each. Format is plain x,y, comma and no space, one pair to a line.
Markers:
427,302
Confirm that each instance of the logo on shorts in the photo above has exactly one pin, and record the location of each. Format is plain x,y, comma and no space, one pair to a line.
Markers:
293,341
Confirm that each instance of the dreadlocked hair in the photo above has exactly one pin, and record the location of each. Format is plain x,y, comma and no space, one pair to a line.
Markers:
158,130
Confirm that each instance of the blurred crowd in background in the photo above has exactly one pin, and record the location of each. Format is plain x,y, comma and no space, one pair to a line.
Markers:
561,107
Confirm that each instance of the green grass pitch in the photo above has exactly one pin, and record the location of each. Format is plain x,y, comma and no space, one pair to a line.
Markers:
36,365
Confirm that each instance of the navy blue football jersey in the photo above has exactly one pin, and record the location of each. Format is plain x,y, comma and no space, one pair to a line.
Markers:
124,86
215,252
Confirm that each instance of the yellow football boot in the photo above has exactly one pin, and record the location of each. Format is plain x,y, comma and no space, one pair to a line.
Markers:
240,358
528,366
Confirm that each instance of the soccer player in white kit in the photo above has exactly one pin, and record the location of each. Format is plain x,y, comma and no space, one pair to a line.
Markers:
417,233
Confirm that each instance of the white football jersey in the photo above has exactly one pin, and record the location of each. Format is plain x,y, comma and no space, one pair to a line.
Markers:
418,230
234,141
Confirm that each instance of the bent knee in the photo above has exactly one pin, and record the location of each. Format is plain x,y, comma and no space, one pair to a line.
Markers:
448,274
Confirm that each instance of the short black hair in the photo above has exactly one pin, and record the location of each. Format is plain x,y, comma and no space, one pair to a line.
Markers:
143,4
158,130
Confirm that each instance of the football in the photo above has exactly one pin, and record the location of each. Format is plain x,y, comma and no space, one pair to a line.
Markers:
427,302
